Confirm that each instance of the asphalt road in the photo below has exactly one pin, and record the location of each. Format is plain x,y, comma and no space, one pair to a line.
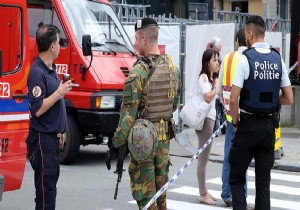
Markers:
86,184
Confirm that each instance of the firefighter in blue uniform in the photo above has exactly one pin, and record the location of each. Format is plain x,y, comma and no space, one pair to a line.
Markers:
47,117
260,75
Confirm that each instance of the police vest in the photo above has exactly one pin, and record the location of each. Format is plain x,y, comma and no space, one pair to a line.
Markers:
230,62
260,93
160,91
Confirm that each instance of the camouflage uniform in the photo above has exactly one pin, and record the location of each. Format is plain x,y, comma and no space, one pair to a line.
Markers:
148,176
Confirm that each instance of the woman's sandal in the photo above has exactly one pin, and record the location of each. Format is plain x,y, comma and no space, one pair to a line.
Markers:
212,197
206,199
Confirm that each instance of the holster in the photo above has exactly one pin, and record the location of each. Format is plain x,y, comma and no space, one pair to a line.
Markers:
171,128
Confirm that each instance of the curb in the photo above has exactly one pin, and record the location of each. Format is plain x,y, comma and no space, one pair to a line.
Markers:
293,167
283,166
290,164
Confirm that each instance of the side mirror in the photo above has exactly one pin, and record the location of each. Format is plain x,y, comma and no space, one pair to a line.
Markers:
0,63
86,45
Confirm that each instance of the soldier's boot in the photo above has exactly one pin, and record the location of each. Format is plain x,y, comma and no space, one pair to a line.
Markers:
143,203
162,202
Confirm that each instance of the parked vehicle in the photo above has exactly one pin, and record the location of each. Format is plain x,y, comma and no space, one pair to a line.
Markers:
98,54
14,111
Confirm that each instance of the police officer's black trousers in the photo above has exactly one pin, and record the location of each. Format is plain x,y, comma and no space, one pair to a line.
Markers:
42,152
255,138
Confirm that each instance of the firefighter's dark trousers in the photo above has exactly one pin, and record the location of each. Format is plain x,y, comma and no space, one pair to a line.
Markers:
42,152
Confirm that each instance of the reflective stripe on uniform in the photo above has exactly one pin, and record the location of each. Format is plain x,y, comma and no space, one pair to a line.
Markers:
13,117
230,62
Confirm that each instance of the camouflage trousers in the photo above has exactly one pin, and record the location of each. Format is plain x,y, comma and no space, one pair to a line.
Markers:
148,176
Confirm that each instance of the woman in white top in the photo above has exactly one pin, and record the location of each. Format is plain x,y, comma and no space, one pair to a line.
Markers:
207,89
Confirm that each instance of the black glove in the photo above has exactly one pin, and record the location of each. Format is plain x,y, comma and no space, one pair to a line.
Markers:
111,154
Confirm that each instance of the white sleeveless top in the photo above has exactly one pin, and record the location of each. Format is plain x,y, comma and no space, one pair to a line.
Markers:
205,86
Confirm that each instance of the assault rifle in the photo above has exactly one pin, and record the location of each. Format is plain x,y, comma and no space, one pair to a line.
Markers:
119,168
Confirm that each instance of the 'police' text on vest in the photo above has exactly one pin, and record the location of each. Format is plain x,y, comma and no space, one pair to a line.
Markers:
268,70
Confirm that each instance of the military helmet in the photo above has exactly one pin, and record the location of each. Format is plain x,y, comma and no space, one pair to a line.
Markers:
142,140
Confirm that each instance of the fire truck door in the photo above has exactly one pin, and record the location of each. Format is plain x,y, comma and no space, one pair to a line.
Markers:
14,114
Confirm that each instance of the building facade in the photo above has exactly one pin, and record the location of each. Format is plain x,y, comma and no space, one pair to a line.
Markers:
265,8
204,9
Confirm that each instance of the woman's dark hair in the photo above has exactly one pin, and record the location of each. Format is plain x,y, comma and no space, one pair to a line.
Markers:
207,55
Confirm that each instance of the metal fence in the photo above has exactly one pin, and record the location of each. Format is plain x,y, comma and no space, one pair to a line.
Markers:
281,25
133,12
130,12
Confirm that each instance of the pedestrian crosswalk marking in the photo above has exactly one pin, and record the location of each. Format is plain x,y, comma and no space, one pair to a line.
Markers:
250,199
275,203
180,205
273,187
194,191
277,176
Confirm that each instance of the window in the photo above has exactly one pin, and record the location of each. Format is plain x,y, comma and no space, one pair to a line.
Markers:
278,8
63,39
38,14
100,21
11,39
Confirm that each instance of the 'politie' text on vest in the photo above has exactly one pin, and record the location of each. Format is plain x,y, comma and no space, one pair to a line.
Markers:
268,70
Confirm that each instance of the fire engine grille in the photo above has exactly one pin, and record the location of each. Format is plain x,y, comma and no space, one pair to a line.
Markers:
125,71
118,101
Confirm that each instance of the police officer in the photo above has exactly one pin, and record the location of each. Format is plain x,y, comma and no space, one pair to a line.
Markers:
47,117
260,75
224,86
151,93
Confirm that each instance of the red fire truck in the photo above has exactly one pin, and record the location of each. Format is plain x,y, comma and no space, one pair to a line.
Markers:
97,53
14,117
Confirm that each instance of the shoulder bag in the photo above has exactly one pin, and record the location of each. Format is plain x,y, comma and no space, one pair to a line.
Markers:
194,112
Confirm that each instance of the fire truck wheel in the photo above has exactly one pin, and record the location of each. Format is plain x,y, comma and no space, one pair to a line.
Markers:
72,141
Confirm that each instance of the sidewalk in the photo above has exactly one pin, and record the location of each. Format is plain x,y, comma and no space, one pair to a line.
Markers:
290,142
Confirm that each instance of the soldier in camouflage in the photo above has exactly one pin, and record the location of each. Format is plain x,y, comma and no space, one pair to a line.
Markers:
151,92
